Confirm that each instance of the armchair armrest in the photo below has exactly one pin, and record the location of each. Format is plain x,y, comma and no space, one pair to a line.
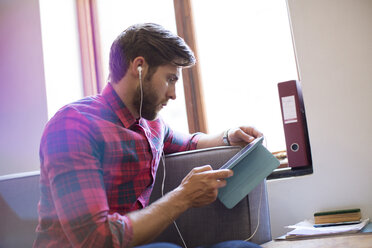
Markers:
213,223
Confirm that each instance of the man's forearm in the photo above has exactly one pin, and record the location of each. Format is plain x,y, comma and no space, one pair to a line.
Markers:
210,140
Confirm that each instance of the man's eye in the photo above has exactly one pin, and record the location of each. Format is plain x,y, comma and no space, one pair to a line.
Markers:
172,80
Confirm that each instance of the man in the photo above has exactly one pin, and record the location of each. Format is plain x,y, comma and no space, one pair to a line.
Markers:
99,155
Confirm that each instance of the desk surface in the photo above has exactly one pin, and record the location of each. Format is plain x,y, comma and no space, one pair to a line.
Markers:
341,241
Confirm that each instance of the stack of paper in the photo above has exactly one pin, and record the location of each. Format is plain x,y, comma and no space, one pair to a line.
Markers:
306,229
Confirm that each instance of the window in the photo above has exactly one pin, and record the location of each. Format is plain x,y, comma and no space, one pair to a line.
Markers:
114,16
61,53
245,49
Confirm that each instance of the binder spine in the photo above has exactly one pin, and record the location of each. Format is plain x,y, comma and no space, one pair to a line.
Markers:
295,124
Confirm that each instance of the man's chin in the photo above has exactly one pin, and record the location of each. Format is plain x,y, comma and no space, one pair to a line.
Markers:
150,116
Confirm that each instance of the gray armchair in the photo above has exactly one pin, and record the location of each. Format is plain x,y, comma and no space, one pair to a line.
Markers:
19,196
213,223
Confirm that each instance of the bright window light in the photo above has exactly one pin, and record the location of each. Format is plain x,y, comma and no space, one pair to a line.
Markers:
61,53
245,49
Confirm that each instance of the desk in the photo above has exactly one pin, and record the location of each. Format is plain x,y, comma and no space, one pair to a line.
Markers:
341,241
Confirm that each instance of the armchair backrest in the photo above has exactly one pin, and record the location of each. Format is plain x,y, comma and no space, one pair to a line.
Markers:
213,223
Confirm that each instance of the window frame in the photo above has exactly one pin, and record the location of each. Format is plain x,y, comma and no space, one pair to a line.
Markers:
90,49
193,89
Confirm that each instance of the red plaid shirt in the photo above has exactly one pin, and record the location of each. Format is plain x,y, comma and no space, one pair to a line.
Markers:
98,163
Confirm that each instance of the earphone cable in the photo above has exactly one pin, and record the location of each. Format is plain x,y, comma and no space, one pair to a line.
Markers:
258,215
140,78
162,193
259,206
163,159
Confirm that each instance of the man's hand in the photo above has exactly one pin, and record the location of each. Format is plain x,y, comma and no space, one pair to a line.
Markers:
241,136
200,186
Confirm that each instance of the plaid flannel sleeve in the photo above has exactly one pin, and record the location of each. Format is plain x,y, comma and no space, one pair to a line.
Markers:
71,161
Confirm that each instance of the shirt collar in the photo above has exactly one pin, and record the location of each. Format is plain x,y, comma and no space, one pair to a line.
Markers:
118,106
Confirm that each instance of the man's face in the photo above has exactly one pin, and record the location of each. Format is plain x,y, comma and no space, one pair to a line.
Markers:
157,90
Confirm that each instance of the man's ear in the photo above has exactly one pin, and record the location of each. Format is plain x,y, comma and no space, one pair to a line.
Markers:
138,62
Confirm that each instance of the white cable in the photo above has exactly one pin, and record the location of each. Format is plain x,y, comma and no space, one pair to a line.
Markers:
162,194
163,182
259,206
259,211
163,159
179,233
140,78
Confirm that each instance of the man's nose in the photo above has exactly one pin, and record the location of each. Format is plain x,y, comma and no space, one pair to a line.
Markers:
171,93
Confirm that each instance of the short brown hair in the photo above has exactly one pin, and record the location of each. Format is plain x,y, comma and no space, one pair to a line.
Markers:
157,45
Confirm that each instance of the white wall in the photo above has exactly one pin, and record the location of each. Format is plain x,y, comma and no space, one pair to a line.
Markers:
23,110
333,41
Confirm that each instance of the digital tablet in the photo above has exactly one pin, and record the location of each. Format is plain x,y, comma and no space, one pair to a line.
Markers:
251,165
